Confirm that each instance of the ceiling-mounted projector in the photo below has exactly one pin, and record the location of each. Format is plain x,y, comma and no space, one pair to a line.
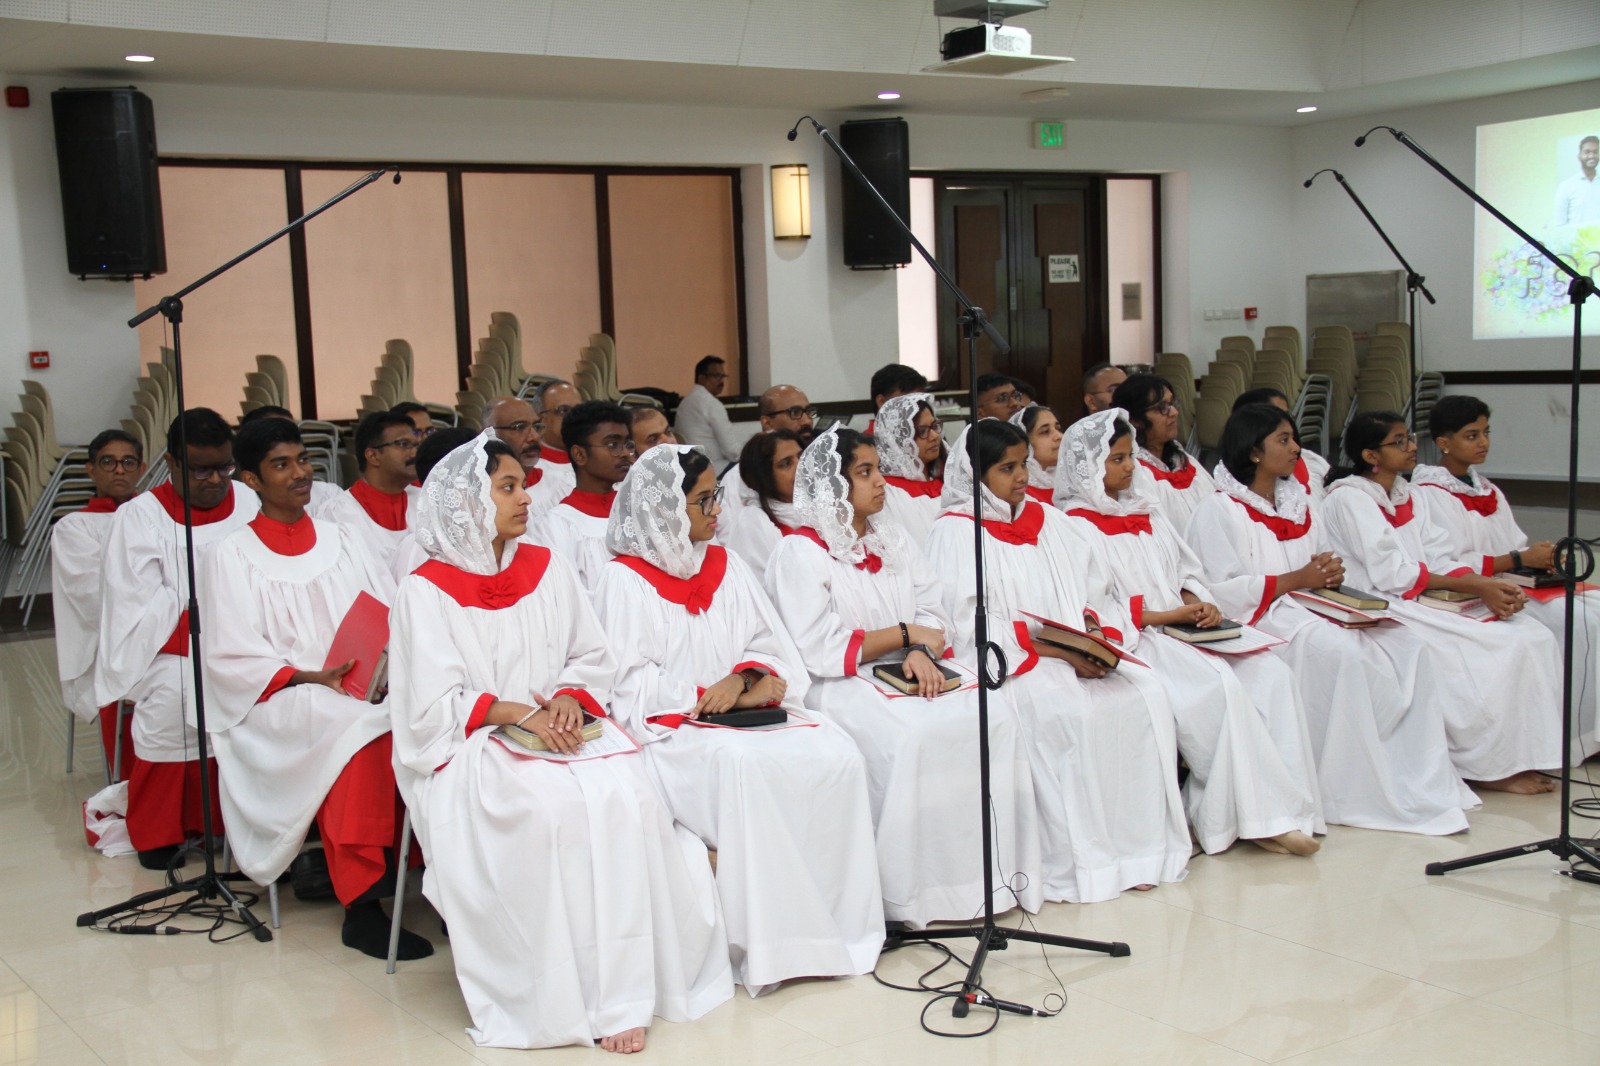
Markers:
989,47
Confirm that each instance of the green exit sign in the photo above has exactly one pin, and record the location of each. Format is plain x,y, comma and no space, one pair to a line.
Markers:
1050,135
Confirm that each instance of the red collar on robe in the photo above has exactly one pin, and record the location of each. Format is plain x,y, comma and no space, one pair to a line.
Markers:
1023,530
534,477
1302,473
387,509
1044,496
555,455
593,504
1178,479
1281,527
1112,524
871,564
491,592
932,487
1402,513
101,505
172,503
1484,505
693,594
286,538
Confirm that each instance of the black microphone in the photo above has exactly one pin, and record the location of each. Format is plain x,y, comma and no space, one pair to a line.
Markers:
397,175
1325,170
1363,138
147,930
980,1000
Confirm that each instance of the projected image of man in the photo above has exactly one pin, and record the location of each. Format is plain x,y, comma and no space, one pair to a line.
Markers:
1578,197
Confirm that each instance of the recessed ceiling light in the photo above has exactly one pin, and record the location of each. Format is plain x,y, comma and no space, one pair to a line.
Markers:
1304,110
139,59
891,95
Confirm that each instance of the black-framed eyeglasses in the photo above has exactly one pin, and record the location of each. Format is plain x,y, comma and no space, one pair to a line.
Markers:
932,429
796,412
560,412
424,434
108,463
1400,442
1006,397
405,444
520,427
206,473
712,500
1165,407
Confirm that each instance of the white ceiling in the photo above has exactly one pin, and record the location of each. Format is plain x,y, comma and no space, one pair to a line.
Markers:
1226,61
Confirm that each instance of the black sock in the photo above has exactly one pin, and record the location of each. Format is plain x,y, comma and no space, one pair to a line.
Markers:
366,928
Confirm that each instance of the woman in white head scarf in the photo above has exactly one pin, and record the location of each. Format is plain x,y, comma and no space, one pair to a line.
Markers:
1044,447
576,908
912,457
858,594
1240,724
1381,755
787,810
1498,685
1102,743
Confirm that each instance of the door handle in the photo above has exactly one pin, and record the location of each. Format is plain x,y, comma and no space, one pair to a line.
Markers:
1013,297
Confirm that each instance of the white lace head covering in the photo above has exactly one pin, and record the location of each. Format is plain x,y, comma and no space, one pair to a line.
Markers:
650,518
957,494
455,519
1290,499
1081,469
822,501
896,432
1038,476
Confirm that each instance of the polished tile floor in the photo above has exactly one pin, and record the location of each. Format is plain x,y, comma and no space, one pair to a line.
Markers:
1350,957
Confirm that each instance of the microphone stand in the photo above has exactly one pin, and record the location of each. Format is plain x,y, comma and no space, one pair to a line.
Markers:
1563,845
988,935
210,884
1414,283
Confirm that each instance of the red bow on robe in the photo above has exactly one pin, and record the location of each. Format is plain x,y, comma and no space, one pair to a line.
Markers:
871,564
694,594
1024,529
1281,528
1178,479
1112,524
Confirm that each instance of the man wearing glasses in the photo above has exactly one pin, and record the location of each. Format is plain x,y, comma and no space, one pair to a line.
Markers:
599,440
701,417
552,402
144,629
378,507
77,553
1099,382
998,397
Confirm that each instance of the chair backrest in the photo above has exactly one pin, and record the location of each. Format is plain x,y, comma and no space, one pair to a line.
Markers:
1210,416
1242,341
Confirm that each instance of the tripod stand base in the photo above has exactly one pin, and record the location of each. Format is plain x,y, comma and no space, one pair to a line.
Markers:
1560,847
204,887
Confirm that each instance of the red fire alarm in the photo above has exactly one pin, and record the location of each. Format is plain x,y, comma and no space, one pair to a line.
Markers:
39,360
16,96
1250,313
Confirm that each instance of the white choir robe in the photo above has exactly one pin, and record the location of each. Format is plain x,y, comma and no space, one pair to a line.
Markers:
544,493
786,810
1496,684
580,536
922,755
750,535
277,758
323,493
145,593
911,512
736,495
557,471
1383,761
373,539
577,910
1470,533
1240,724
1175,494
1104,752
77,555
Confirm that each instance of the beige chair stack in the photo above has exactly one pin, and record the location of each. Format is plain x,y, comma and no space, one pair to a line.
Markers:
44,480
1384,382
1176,368
391,378
265,386
1333,356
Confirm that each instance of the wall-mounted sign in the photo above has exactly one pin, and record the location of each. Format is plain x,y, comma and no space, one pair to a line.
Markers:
1063,268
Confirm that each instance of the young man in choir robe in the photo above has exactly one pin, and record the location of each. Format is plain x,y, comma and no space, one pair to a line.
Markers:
144,628
292,744
552,402
515,422
322,492
602,450
650,427
889,381
377,508
77,554
998,396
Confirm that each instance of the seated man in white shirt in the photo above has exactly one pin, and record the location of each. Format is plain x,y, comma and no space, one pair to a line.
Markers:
602,450
703,420
377,508
77,554
649,428
551,403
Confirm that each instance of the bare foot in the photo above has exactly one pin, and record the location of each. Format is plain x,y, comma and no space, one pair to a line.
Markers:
625,1043
1293,842
1527,783
1142,888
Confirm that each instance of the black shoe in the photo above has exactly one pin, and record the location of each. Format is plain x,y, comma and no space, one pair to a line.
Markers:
366,929
309,876
159,858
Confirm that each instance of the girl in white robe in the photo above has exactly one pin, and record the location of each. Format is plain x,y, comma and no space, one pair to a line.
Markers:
1168,476
911,456
1240,724
1311,469
1044,448
1382,758
764,475
844,584
1102,744
1478,526
576,909
786,810
1494,683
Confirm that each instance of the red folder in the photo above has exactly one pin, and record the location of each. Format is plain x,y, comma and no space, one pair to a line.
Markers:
362,636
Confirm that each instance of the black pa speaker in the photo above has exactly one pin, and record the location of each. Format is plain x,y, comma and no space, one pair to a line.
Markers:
110,191
881,148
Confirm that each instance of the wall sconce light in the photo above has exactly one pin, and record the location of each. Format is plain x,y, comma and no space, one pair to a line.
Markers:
791,201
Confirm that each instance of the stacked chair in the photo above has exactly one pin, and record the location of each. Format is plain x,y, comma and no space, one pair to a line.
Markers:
44,480
1384,381
1333,356
1176,368
595,375
265,386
